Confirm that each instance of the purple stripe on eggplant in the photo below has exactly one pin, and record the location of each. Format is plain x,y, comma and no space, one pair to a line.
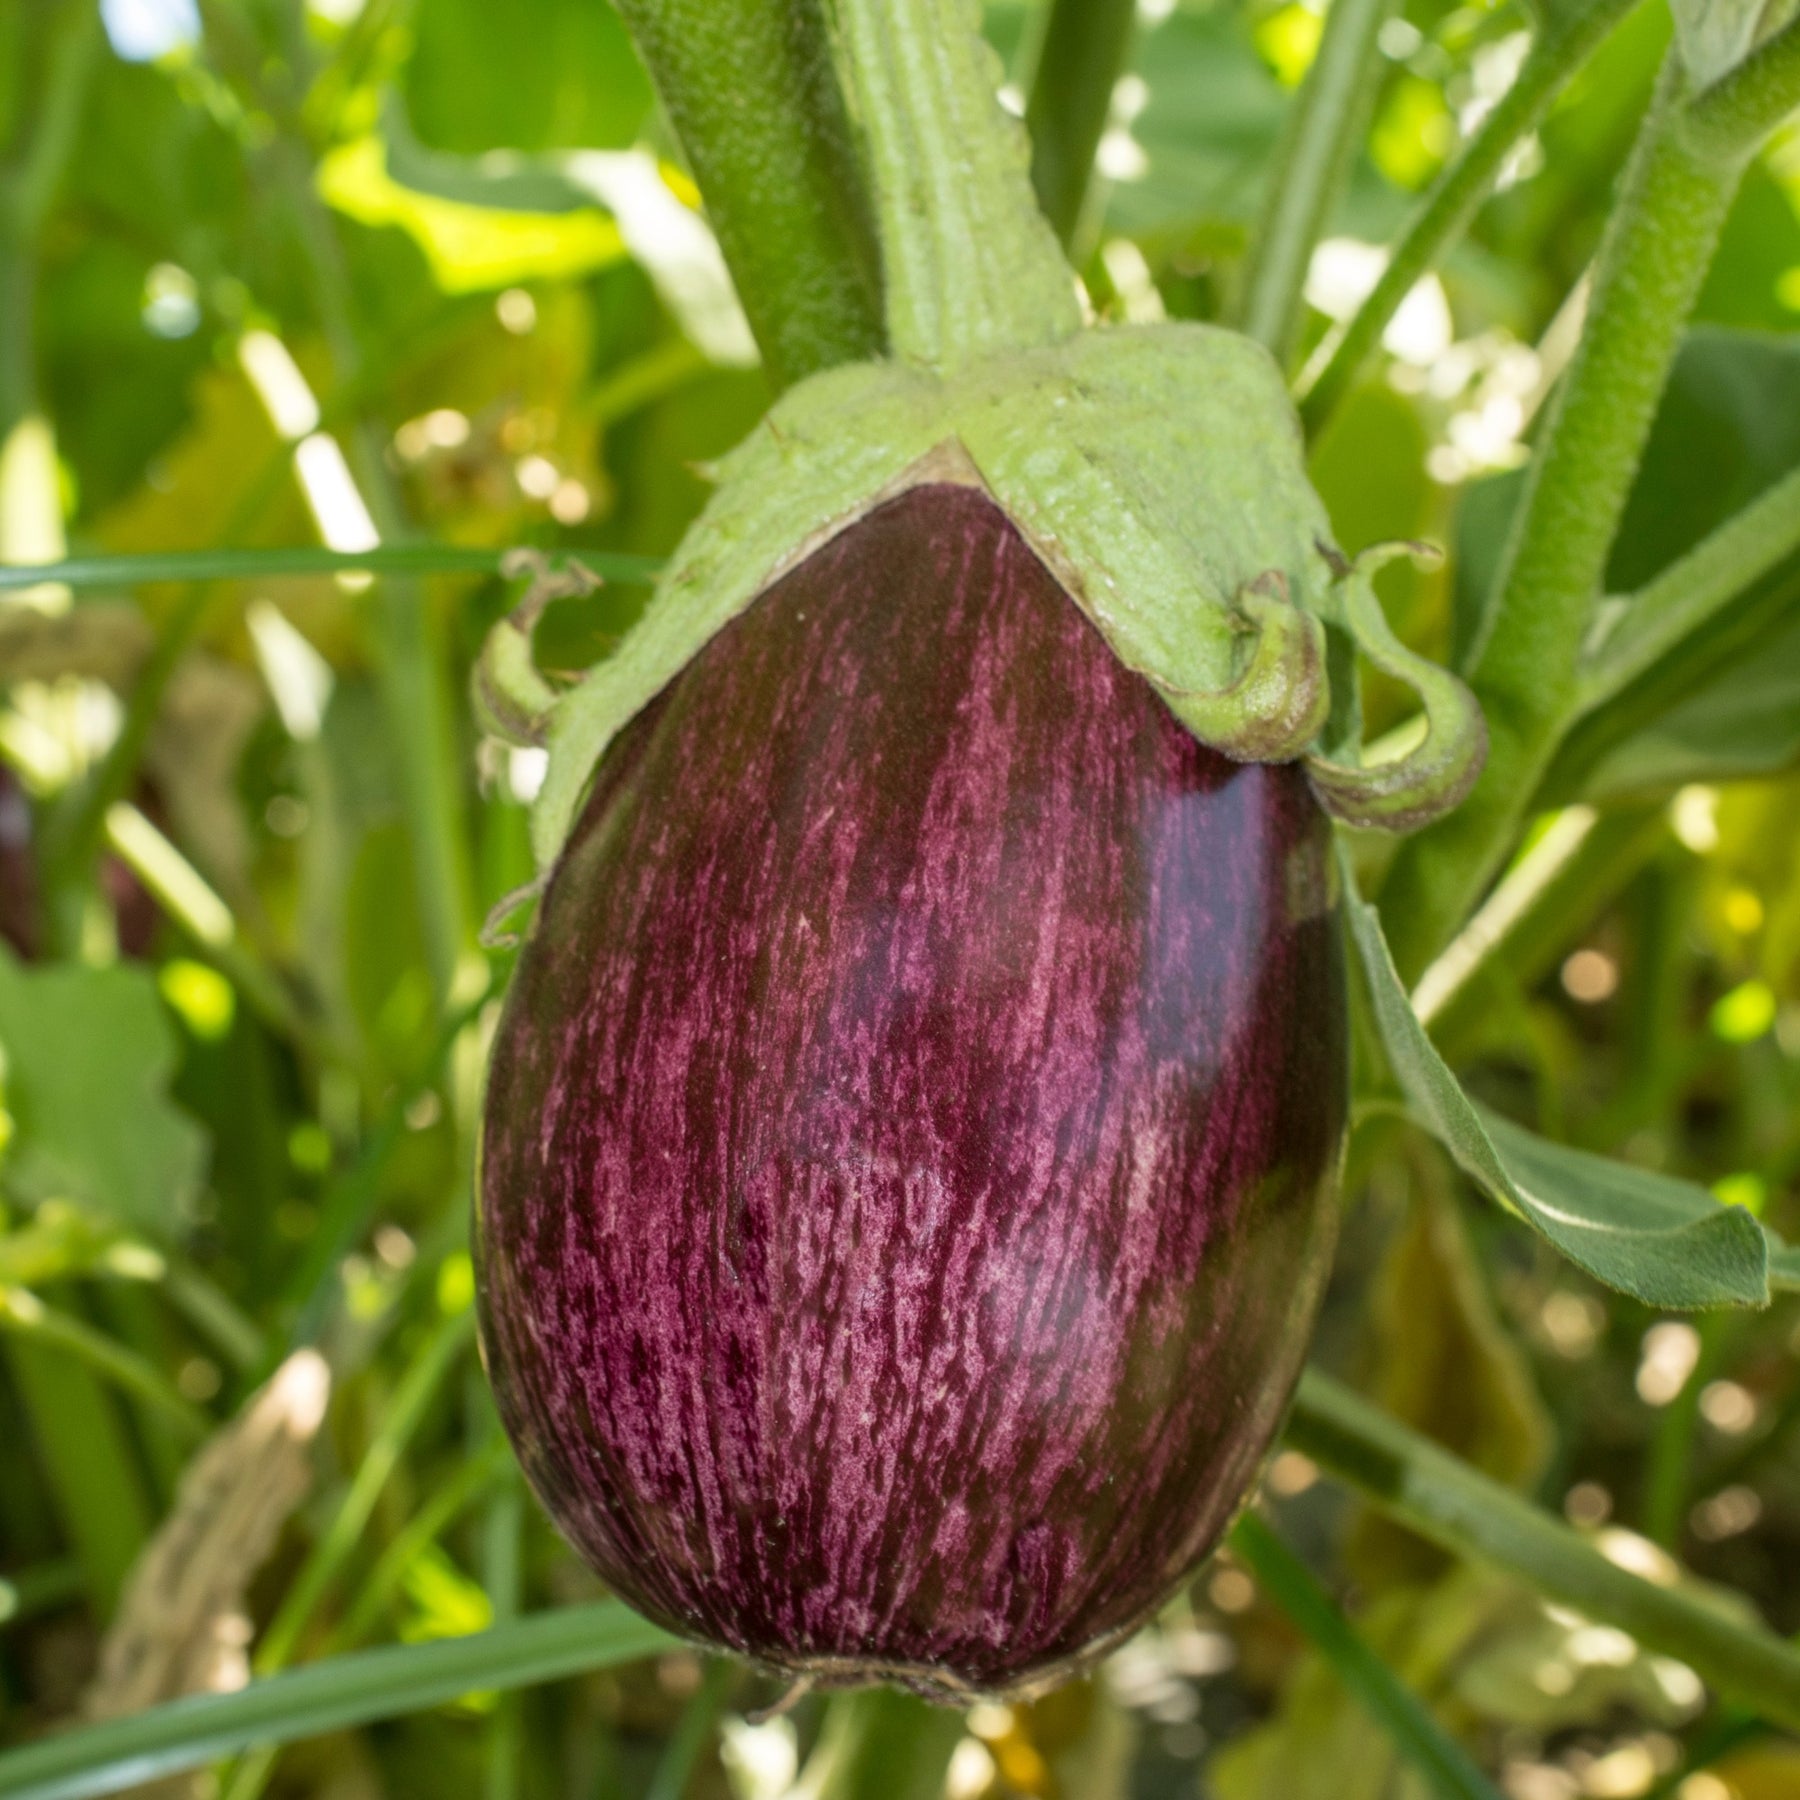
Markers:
908,1170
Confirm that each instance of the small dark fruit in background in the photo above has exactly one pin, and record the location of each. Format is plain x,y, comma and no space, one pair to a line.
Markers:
908,1173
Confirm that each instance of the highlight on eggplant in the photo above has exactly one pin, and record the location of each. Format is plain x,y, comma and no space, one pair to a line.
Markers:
910,1156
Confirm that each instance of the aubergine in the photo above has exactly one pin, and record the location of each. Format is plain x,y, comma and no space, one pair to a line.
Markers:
909,1162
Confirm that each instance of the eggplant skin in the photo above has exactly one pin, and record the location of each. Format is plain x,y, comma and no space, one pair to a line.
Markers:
909,1166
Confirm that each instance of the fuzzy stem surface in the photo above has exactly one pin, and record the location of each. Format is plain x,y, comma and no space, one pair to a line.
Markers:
1444,214
1731,118
970,266
1527,667
751,91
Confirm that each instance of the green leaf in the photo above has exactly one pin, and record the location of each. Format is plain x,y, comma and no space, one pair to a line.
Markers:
1732,408
1742,722
470,247
1665,1242
88,1055
1479,1521
530,75
327,1696
1637,1199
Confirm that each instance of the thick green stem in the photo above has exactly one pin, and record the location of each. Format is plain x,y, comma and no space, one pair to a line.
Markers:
1078,63
751,90
1527,669
1445,213
1466,1513
970,265
1730,119
1445,1764
1324,131
1691,592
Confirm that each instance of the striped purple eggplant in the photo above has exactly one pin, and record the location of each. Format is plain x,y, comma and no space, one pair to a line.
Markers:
908,1171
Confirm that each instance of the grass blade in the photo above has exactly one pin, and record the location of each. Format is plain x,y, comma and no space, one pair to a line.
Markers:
1463,1511
112,573
1416,1734
328,1696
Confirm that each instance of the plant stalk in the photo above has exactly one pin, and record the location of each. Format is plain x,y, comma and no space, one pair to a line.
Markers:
1729,120
750,88
24,1313
1559,52
698,1719
1416,1734
1466,1513
1078,63
1319,146
28,186
417,1389
1526,670
971,267
1687,595
449,1498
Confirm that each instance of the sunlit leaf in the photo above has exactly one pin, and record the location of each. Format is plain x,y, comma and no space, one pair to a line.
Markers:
470,248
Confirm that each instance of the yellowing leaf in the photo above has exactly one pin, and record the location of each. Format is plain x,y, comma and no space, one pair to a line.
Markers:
470,248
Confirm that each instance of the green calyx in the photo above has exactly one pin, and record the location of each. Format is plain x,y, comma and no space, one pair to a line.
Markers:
511,699
1447,744
1157,470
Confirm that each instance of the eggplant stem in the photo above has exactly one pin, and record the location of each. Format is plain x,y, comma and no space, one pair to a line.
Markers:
969,264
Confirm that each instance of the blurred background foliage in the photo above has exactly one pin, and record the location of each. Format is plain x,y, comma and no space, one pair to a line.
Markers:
360,271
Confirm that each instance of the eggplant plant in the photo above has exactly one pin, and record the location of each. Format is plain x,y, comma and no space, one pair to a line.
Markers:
995,929
924,1084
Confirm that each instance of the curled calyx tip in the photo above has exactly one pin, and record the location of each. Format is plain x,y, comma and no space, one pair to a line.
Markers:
1400,793
1277,703
511,698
